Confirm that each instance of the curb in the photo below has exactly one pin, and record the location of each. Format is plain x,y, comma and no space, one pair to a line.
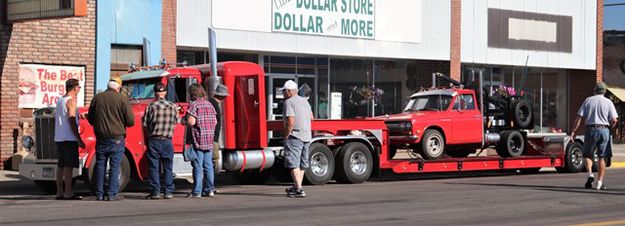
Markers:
618,165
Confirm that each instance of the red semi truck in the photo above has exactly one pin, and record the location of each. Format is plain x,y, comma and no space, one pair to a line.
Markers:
348,151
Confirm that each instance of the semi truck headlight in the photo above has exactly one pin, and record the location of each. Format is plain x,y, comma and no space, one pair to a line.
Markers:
28,142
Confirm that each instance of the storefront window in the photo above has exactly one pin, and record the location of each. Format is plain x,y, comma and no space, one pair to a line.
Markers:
353,79
323,109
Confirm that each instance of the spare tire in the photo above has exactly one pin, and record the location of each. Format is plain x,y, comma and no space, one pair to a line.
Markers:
521,113
512,144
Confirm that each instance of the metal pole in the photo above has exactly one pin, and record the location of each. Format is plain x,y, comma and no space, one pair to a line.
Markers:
212,47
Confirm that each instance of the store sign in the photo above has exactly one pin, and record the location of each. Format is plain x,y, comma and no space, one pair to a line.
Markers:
342,18
42,85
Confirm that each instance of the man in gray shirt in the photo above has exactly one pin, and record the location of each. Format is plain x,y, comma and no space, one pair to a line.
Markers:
599,115
297,136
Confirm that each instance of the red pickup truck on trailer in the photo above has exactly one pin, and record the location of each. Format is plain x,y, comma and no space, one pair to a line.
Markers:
444,131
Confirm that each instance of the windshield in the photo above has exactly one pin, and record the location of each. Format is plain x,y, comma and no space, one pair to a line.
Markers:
429,102
140,89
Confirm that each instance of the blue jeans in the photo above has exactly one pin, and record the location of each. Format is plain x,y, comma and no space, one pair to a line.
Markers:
161,154
203,166
108,150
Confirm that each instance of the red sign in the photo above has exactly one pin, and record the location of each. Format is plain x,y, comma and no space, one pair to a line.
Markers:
42,85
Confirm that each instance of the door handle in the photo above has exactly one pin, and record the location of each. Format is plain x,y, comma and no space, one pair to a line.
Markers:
255,103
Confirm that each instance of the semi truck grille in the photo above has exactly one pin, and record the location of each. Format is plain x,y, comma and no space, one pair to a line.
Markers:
44,134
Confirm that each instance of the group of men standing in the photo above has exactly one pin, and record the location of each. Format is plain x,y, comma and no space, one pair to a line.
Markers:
110,113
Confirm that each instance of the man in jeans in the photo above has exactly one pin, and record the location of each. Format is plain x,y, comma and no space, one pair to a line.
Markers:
599,115
109,114
297,137
159,121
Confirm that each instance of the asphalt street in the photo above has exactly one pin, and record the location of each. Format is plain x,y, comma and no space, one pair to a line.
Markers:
547,198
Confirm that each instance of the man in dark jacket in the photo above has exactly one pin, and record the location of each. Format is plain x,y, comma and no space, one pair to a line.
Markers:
218,96
109,114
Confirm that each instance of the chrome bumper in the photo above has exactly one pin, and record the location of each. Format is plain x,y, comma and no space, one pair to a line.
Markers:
46,171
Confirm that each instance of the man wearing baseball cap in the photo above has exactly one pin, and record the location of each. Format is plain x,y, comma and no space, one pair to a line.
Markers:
159,121
297,136
599,115
109,114
220,93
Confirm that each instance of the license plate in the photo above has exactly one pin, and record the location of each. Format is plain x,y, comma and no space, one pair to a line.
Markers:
48,172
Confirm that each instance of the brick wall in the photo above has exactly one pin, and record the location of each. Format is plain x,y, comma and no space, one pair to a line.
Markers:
456,42
168,37
599,54
421,72
581,86
61,41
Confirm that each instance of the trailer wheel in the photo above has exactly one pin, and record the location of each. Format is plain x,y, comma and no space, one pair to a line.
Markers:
354,164
512,144
573,159
124,174
432,144
252,177
321,165
522,113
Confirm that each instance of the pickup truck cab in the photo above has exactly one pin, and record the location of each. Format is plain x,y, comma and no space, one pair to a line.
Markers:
438,122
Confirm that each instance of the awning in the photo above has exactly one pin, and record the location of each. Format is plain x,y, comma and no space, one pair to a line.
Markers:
618,93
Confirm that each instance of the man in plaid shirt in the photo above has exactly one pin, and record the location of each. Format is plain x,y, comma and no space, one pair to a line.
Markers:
159,121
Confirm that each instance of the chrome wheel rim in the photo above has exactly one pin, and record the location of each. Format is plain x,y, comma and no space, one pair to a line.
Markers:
319,164
358,162
434,146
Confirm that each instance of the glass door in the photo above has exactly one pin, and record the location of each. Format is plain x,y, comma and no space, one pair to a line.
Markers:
275,100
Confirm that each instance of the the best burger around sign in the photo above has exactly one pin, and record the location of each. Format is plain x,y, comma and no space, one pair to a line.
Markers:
42,85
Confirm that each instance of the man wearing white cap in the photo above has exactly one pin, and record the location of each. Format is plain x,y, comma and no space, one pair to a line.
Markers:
297,136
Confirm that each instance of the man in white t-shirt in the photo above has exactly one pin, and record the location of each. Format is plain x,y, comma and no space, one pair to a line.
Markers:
599,115
297,136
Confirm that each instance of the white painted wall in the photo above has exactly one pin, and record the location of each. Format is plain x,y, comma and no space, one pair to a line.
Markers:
475,27
404,29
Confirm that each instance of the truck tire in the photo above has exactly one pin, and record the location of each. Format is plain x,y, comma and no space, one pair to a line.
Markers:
124,174
512,144
49,187
573,159
354,163
321,167
252,177
432,145
521,113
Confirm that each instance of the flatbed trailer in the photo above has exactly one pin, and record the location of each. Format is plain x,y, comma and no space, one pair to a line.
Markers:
543,150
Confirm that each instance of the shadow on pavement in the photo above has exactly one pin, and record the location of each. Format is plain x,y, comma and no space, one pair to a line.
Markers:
552,188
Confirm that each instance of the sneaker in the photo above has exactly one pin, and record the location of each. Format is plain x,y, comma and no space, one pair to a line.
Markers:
290,191
169,196
601,186
589,181
298,194
194,196
211,194
153,197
